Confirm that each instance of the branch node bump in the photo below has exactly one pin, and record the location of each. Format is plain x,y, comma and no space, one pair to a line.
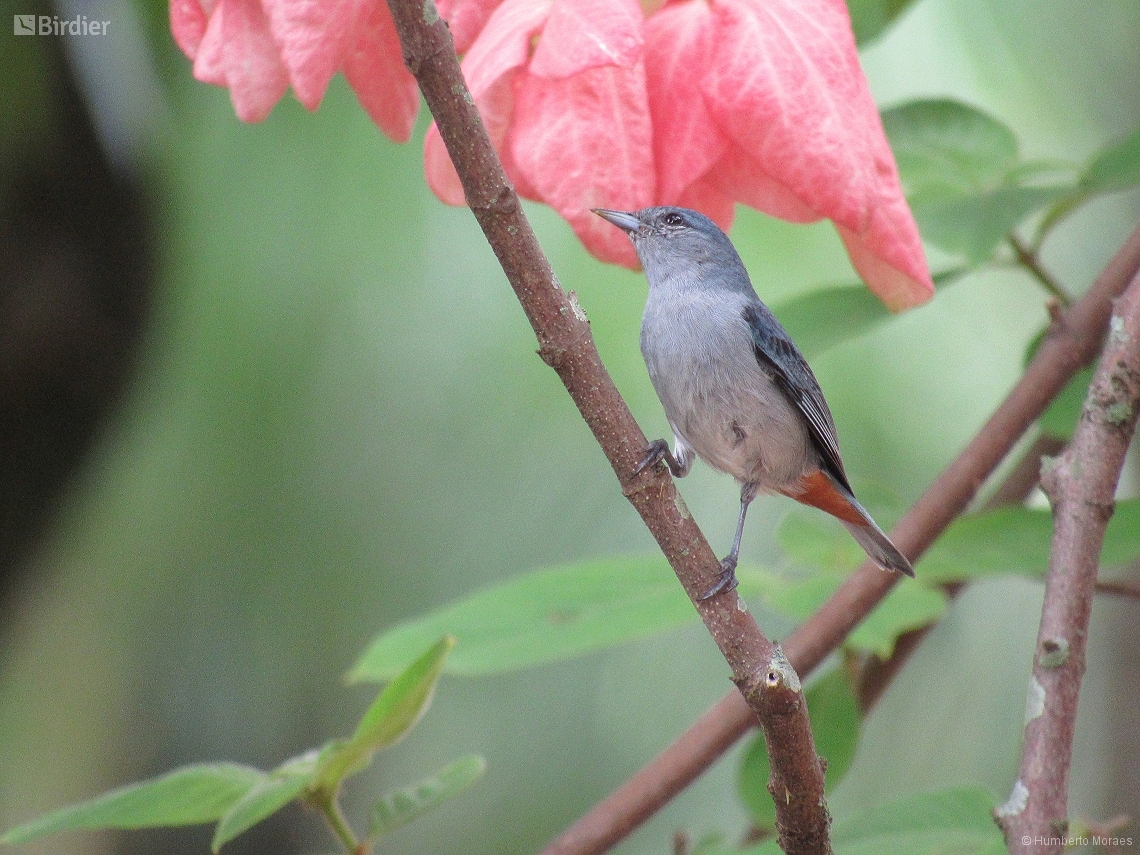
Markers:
552,355
780,670
1054,652
1034,700
1016,803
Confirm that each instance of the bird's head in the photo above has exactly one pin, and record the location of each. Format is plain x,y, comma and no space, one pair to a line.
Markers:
674,241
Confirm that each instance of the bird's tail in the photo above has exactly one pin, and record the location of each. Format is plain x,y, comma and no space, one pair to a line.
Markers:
821,490
879,547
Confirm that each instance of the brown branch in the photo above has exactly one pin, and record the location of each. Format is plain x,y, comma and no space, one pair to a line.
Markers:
1081,485
1073,342
796,779
566,345
1119,589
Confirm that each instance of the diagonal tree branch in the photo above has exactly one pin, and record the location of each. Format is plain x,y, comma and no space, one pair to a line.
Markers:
1081,486
764,677
1073,342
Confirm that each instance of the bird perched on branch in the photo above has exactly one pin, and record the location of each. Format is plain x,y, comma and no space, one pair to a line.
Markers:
736,390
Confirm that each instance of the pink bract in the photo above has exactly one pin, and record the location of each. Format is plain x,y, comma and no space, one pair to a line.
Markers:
761,102
258,48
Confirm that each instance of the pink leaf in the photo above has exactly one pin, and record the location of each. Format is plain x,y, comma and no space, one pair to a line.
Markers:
779,90
788,90
374,68
888,254
315,36
744,178
466,19
686,141
237,50
489,68
585,34
504,44
188,22
584,142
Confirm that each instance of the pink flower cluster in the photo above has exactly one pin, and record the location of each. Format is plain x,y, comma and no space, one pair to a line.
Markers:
594,103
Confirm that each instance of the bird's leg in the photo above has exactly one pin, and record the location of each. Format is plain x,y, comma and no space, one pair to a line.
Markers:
727,580
658,451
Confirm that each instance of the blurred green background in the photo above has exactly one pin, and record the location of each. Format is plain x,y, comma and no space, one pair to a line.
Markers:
336,420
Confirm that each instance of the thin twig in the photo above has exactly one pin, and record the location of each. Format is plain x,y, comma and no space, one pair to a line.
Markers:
1081,486
1119,589
326,802
1073,342
1027,258
565,343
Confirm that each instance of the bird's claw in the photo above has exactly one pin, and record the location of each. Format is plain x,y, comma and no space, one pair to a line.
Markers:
726,582
655,452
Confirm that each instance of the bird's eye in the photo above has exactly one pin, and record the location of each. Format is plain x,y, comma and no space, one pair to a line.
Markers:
673,219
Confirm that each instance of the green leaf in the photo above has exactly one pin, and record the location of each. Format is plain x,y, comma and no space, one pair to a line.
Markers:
1115,168
957,821
951,822
836,722
554,614
973,224
1060,418
1013,539
830,316
963,175
835,725
946,144
1122,538
752,783
817,541
544,616
870,18
1017,540
394,712
908,606
402,806
187,796
266,797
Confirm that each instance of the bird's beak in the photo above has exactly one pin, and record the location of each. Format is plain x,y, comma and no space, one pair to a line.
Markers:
622,219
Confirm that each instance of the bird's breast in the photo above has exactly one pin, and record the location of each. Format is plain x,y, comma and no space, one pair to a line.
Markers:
700,356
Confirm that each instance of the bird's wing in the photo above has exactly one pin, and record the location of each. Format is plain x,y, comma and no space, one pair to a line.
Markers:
779,357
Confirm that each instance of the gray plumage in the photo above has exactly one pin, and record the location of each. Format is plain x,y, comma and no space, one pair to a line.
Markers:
735,389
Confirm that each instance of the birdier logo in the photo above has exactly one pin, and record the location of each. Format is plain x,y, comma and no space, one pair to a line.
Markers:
53,25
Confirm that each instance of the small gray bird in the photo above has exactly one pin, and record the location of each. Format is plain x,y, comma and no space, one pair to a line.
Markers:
736,390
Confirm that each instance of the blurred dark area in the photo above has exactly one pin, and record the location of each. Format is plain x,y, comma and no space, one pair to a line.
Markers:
76,271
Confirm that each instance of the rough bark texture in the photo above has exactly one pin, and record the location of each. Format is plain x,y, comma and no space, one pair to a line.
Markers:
565,343
1081,486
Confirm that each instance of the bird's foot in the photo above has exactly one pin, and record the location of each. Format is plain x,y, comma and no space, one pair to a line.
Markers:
656,452
727,580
